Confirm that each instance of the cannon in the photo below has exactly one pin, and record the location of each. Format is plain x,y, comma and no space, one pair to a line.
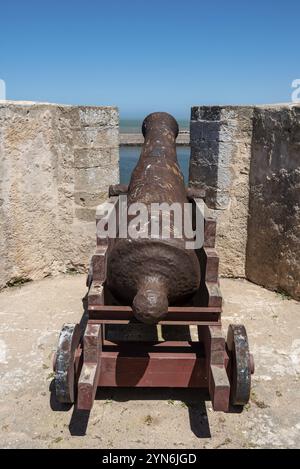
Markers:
154,281
152,273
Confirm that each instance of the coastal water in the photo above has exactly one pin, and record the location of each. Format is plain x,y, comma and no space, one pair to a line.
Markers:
129,156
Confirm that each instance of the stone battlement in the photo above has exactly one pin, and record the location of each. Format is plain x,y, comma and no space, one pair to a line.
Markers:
57,162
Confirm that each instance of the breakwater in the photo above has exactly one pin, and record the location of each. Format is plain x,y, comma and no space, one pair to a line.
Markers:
137,139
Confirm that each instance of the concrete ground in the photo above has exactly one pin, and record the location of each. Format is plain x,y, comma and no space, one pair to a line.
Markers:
31,318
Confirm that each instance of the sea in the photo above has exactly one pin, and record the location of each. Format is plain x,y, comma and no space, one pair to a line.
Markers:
129,155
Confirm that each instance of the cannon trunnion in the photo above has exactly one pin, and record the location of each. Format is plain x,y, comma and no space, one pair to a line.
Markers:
158,282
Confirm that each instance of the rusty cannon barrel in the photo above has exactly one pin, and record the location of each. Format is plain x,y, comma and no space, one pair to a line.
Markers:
151,273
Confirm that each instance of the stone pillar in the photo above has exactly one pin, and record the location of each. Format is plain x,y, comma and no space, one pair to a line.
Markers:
220,138
273,251
56,163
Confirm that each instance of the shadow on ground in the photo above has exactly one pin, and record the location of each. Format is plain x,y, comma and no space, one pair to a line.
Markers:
193,400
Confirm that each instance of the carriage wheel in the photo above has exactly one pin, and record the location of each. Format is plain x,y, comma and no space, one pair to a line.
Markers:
64,363
241,364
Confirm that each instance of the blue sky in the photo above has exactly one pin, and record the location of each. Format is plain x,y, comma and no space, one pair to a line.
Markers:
150,55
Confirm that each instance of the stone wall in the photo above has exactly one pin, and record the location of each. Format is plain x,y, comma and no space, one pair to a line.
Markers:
273,251
56,163
248,160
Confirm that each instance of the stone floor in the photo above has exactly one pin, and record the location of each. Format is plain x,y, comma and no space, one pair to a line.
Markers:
31,318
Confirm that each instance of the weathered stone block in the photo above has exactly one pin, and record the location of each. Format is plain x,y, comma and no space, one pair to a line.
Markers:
90,199
96,137
98,116
92,157
85,213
